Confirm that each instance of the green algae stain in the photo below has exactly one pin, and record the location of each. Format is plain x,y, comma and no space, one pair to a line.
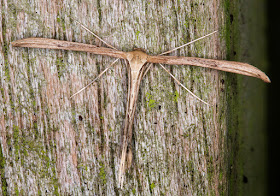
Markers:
4,184
60,66
16,190
102,173
152,186
176,96
61,21
137,34
150,101
16,140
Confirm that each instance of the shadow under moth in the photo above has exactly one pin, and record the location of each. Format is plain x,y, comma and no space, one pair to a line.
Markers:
138,63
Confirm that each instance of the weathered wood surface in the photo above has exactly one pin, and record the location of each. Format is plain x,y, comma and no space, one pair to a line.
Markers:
51,144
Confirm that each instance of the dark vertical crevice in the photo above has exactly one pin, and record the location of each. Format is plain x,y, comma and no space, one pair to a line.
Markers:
232,135
273,43
4,184
99,12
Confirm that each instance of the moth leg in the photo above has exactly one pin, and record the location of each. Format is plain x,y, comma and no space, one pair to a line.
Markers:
188,43
183,86
94,79
148,68
110,46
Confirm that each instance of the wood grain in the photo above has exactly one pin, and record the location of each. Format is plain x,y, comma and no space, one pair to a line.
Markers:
53,145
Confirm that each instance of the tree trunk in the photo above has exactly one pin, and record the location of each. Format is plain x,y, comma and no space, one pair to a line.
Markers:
51,144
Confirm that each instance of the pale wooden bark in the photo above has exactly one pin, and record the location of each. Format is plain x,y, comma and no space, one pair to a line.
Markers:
51,144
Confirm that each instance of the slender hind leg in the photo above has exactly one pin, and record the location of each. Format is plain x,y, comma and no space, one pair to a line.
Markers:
104,69
94,79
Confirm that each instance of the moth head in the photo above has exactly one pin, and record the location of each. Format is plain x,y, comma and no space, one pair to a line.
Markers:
139,49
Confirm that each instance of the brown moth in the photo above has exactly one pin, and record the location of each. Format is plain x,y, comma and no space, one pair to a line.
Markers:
138,64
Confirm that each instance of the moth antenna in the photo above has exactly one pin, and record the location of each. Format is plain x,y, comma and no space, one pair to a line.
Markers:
94,79
110,46
184,86
188,43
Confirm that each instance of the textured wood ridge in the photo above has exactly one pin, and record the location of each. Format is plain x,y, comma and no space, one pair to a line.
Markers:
51,144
